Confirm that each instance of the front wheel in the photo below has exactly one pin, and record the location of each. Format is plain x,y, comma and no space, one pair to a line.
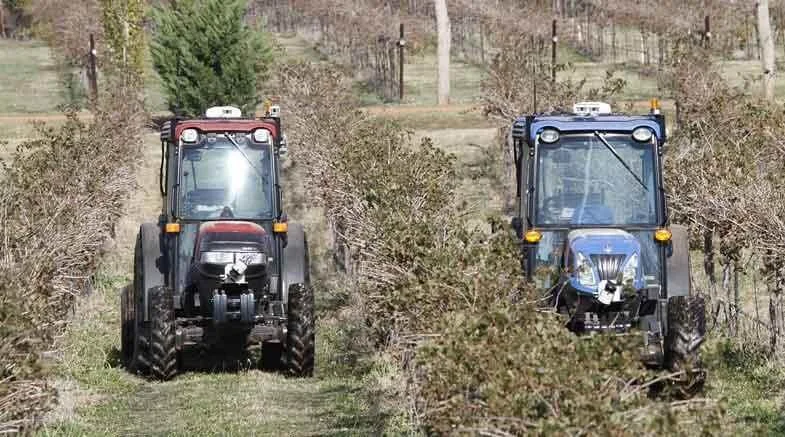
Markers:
300,335
686,333
162,352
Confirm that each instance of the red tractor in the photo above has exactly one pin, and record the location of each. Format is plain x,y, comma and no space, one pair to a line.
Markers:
221,273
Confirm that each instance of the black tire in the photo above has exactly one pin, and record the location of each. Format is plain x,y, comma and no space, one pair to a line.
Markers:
127,326
273,356
300,338
162,353
147,275
686,333
136,361
266,356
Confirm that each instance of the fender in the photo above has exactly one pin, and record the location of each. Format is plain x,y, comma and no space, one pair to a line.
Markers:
295,268
152,263
678,264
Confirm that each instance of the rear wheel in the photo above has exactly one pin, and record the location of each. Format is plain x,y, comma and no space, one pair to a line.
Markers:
300,338
162,352
686,333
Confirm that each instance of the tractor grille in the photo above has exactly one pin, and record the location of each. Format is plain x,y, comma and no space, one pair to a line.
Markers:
608,266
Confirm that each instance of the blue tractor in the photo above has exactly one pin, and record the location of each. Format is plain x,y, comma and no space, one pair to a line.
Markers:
597,241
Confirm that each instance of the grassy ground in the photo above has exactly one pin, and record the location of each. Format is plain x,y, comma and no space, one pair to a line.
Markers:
29,78
98,397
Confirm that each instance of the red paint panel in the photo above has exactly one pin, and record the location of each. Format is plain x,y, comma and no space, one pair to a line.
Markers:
226,126
232,227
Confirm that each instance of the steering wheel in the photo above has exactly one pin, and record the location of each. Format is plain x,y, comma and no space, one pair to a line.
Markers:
227,212
550,209
589,214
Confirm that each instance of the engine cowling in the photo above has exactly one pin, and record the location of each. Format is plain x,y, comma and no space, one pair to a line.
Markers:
603,262
230,257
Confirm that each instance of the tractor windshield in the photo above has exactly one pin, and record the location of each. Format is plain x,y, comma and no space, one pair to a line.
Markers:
583,181
221,180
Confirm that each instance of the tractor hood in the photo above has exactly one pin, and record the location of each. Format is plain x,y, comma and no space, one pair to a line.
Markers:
603,262
226,248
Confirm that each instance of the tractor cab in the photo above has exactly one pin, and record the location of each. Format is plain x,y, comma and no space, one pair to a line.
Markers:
222,268
219,172
593,221
591,170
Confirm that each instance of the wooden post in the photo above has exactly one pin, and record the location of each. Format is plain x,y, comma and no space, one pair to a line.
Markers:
401,45
613,42
482,43
554,40
2,21
92,74
708,256
736,296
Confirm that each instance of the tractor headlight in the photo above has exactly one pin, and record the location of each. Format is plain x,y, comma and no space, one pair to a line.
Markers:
190,136
549,136
630,269
262,136
642,134
217,257
585,271
252,259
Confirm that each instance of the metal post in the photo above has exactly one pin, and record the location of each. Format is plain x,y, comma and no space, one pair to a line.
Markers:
401,45
534,74
554,40
707,31
92,74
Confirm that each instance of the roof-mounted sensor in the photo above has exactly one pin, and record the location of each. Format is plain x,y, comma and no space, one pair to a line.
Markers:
590,109
223,112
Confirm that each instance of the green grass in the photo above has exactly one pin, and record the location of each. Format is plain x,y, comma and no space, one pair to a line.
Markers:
750,384
107,400
420,78
98,397
29,78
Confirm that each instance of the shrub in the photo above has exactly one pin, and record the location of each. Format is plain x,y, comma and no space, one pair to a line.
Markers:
207,55
451,296
59,199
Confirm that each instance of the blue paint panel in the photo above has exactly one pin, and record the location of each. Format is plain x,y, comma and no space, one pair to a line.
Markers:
574,124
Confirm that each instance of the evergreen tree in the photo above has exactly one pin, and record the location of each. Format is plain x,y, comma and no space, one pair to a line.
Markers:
207,55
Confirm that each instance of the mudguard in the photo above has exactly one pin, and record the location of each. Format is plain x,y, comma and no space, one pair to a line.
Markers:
295,268
152,263
678,264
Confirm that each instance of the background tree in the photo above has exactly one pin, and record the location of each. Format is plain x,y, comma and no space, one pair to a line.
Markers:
767,48
443,31
13,18
207,54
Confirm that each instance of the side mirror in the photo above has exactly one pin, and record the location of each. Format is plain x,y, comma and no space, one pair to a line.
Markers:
517,224
283,147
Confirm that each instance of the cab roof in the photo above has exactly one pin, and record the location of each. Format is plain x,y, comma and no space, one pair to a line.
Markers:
529,127
226,125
